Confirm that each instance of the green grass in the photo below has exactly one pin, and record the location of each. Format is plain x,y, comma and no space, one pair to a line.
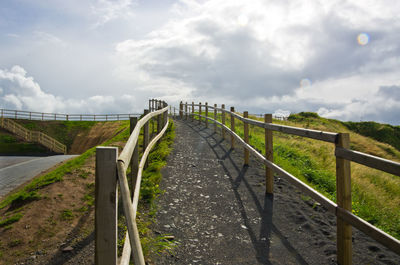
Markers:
149,191
10,220
66,215
12,145
384,133
62,131
375,194
30,191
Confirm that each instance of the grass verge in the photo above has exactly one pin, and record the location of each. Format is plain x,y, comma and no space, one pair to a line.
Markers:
376,196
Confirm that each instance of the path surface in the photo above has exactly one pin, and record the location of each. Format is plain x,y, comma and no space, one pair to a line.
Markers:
218,211
16,170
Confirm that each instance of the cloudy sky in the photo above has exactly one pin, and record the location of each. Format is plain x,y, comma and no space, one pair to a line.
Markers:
338,58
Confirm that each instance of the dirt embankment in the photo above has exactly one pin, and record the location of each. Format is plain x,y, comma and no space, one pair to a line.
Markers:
99,133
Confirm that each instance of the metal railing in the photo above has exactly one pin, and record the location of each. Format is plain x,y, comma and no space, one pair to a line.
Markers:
31,115
110,169
343,209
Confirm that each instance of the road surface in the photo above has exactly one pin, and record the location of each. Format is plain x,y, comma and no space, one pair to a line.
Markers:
16,170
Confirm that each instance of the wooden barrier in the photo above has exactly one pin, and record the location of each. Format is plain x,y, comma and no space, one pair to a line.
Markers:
232,127
206,115
33,136
269,154
108,165
31,115
246,138
342,210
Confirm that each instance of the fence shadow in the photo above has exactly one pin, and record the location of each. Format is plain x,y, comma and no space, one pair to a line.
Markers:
261,240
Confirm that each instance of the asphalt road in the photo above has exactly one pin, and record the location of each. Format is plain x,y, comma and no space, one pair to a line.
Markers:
16,170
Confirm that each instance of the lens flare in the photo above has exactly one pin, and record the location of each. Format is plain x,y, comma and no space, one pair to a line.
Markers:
243,20
305,82
363,39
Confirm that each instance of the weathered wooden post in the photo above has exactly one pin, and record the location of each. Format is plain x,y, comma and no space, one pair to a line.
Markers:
215,118
343,200
232,127
106,202
269,155
181,110
206,115
186,114
246,137
199,112
135,156
165,120
192,111
146,138
223,120
159,121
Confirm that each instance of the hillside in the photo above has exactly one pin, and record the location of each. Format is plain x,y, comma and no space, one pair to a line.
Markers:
78,136
51,219
385,133
375,194
11,145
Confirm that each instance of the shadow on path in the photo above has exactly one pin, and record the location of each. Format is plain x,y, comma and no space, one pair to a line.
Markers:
263,203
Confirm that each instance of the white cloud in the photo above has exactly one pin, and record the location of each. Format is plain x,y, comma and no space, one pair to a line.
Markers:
254,55
107,10
248,54
19,91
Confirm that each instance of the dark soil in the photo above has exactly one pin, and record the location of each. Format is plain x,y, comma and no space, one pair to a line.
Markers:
217,210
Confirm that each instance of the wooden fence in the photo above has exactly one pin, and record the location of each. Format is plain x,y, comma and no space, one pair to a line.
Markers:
110,170
345,218
30,115
33,136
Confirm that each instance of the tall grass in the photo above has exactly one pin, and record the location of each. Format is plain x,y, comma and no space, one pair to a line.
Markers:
376,195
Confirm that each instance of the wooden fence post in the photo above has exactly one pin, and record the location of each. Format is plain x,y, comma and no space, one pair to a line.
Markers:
343,200
192,111
223,120
165,116
186,114
146,139
206,115
215,118
180,110
135,156
269,155
246,137
199,112
232,128
159,121
106,202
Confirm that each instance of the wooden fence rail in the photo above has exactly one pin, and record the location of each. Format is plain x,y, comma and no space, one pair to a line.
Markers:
33,136
345,218
31,115
112,169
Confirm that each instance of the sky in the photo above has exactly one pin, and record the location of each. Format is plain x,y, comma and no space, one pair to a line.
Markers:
338,58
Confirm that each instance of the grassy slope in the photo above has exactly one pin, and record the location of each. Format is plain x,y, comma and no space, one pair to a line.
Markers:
11,145
385,133
149,189
376,195
63,131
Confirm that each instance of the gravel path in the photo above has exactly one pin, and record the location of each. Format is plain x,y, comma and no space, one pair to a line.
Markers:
218,211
